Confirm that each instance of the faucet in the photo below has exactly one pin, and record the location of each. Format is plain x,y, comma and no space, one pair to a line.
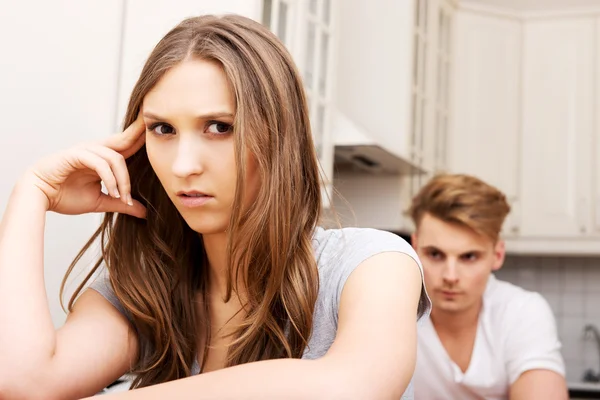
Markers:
591,330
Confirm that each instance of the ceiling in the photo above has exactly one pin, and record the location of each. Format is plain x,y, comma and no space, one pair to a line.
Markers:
537,5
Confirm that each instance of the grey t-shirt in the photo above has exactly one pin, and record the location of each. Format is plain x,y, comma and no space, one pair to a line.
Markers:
338,252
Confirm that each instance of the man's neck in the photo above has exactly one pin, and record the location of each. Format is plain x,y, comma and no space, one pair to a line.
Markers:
457,333
453,323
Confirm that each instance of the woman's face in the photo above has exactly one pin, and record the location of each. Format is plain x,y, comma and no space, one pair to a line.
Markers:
189,140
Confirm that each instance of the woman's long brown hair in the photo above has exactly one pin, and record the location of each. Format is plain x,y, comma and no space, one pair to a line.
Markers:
157,266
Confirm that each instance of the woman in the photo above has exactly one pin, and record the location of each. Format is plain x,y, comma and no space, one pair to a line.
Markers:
214,260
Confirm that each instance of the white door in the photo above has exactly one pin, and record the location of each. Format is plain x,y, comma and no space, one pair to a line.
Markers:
557,127
486,100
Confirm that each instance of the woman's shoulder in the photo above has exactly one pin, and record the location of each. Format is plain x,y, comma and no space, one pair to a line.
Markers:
344,244
102,285
339,252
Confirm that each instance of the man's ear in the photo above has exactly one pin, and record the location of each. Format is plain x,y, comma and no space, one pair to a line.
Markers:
499,254
413,240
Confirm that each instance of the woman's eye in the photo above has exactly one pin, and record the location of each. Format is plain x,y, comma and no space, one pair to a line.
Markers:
161,129
219,128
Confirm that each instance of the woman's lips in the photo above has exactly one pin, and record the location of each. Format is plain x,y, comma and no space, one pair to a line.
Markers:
193,199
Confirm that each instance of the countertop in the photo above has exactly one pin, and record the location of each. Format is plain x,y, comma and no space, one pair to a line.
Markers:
583,390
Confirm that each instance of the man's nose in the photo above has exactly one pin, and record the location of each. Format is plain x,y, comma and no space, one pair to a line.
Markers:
450,273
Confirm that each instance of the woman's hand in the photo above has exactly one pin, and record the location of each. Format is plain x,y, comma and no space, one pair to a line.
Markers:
71,180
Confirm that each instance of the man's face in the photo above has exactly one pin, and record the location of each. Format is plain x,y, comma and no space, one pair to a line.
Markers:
457,263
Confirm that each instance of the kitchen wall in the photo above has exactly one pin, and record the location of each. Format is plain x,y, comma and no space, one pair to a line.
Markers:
571,285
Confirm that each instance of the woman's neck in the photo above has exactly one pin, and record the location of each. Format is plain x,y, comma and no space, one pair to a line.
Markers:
215,246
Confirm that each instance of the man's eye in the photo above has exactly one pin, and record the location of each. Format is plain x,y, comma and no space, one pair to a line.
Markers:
470,257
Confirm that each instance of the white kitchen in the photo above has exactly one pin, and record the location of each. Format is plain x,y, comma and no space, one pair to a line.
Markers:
399,90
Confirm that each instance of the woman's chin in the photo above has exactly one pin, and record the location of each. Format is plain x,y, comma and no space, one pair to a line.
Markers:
204,226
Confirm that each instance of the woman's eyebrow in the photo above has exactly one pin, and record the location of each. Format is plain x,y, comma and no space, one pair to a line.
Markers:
207,116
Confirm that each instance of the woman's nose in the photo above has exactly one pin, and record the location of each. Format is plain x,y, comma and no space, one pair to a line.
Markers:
188,158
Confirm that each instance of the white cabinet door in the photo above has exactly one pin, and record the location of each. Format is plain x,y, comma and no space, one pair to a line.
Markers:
484,134
557,127
596,139
432,48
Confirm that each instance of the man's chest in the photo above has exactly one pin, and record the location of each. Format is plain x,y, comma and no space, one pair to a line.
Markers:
472,366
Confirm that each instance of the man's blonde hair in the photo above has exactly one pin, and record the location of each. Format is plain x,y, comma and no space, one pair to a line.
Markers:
463,200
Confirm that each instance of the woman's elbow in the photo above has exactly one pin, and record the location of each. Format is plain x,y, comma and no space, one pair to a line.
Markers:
360,392
23,386
370,385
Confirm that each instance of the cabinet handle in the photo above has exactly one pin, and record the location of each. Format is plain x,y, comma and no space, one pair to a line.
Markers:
597,214
513,218
582,215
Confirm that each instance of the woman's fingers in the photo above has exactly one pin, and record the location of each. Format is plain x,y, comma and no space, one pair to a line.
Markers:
100,166
110,204
130,141
119,170
111,169
134,148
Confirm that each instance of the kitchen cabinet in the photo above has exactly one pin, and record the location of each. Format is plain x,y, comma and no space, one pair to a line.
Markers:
393,77
557,128
308,29
485,103
431,88
525,120
595,167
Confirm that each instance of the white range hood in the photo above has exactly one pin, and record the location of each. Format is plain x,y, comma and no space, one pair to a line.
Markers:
355,149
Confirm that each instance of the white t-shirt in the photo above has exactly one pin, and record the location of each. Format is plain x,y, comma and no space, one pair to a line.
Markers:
516,332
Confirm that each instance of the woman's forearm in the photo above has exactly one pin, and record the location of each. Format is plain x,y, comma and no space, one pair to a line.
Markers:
27,334
273,379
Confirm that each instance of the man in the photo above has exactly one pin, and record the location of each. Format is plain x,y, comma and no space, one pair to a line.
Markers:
486,339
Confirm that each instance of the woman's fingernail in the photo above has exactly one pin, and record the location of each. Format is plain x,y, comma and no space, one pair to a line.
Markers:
116,194
129,200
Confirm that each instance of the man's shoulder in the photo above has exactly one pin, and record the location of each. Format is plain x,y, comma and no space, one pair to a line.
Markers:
506,301
523,326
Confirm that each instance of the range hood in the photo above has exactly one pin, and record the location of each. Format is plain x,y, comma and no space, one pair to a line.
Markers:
356,150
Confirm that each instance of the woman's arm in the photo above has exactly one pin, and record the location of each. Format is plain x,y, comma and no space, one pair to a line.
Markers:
96,344
27,333
93,348
373,356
